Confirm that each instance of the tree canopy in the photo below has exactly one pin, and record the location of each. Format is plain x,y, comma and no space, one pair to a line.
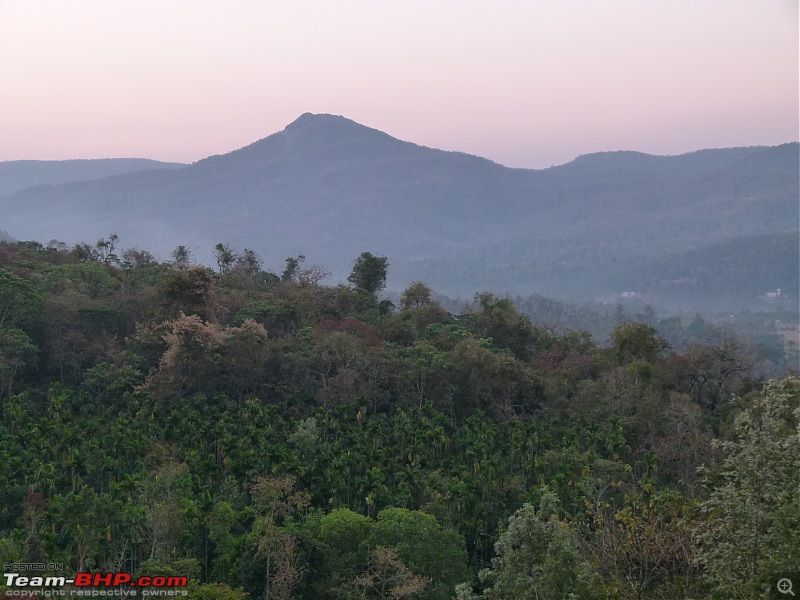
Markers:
270,435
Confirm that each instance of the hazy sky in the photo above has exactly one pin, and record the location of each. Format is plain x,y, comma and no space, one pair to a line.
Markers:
522,82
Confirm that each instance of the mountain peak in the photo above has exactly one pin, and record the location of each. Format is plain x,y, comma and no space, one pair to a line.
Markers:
311,135
310,119
329,126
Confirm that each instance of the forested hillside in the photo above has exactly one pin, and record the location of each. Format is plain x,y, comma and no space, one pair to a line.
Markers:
271,436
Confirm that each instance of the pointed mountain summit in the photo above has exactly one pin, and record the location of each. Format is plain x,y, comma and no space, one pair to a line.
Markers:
321,131
321,137
330,188
316,127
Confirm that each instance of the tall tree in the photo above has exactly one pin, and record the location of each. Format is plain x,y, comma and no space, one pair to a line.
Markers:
536,557
274,499
415,296
426,547
16,350
642,545
18,299
369,273
387,578
225,257
751,530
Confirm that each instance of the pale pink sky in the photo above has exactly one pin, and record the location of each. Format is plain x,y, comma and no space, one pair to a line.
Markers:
523,82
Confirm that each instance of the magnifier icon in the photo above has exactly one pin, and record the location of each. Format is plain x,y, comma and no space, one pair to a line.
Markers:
785,586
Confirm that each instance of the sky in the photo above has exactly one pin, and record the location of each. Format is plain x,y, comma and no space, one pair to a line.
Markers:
526,83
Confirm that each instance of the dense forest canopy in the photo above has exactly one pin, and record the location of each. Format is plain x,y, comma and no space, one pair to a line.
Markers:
271,436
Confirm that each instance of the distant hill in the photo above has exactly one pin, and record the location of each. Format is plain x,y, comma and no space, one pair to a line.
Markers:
330,188
17,175
729,275
721,274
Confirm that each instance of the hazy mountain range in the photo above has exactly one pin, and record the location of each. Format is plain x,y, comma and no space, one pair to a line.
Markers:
684,229
16,175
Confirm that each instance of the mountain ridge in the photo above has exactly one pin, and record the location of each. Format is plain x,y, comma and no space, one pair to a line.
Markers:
330,188
17,175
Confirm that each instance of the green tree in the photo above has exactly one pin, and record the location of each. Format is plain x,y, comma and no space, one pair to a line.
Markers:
636,342
18,299
716,371
225,257
415,296
106,250
425,547
751,527
537,557
499,322
492,381
419,309
345,535
369,273
220,523
87,519
164,493
292,266
643,544
345,363
181,256
274,499
422,373
16,350
188,289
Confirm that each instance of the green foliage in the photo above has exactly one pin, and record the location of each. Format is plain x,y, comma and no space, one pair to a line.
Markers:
188,289
426,547
641,543
16,351
214,591
292,266
751,526
415,296
369,273
537,556
388,578
89,520
636,341
293,439
346,536
91,279
19,300
492,381
499,321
